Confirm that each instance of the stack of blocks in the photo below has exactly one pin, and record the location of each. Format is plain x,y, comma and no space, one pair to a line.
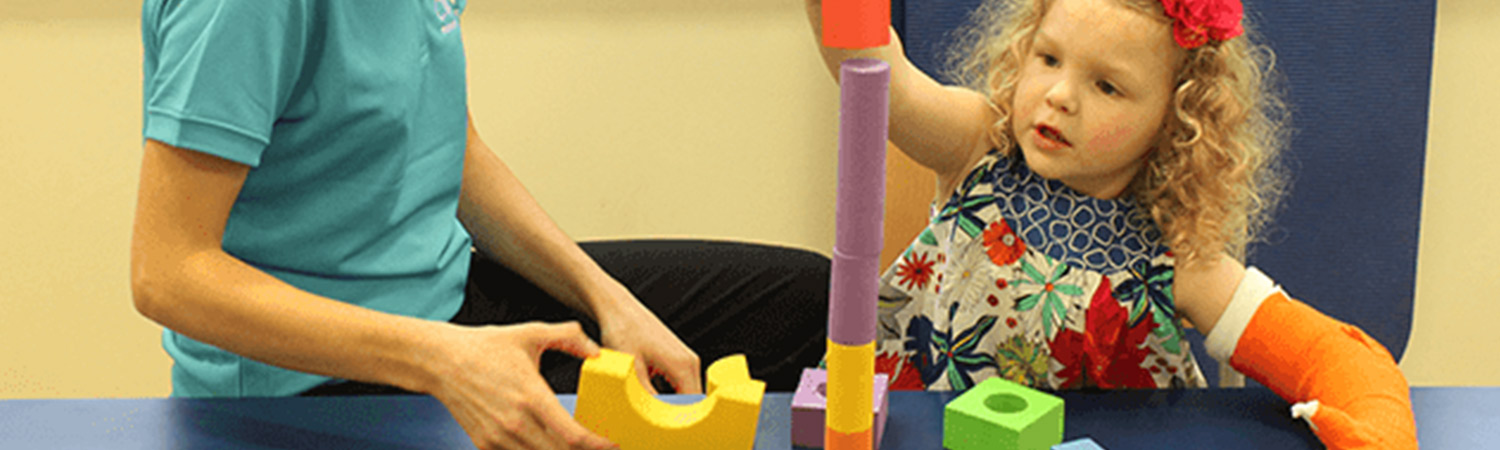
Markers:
999,413
864,109
810,402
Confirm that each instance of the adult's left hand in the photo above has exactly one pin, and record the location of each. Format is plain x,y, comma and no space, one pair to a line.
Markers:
626,325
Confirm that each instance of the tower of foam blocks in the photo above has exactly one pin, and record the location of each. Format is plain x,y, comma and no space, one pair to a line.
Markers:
864,111
853,290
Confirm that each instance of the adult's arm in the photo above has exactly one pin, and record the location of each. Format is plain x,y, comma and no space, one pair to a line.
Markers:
183,279
508,224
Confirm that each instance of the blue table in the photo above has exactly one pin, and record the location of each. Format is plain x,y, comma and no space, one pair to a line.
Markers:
1459,418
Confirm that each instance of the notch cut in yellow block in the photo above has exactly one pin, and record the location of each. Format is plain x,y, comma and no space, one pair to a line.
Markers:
613,403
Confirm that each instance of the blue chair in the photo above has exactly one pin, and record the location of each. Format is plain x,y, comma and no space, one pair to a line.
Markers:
1357,77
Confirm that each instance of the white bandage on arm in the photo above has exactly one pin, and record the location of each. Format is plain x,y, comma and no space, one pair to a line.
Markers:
1252,290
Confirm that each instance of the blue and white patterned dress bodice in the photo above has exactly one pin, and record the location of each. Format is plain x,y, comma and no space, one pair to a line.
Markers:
1025,278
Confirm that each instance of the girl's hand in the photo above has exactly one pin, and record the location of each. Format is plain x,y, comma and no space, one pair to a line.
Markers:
627,326
940,127
1338,430
489,379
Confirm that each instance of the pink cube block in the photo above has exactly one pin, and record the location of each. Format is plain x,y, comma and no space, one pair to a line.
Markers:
810,402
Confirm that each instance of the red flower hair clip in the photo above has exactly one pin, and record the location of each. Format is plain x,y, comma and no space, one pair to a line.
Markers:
1195,22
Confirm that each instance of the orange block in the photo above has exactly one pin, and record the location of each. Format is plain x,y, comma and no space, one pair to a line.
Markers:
834,440
856,24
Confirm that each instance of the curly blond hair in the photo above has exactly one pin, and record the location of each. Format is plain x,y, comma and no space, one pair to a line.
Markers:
1213,178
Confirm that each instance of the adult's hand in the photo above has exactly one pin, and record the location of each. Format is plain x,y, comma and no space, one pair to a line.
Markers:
489,379
629,327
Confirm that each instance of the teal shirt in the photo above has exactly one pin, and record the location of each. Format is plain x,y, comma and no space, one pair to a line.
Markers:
353,117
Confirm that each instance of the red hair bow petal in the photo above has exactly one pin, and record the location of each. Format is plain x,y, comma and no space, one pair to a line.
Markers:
1195,22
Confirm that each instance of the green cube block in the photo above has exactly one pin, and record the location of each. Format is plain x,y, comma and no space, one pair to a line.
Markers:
1000,414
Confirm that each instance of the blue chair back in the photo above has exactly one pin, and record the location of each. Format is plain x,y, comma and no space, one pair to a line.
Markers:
1357,77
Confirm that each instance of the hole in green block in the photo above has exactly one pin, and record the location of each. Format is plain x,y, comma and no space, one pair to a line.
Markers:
1005,403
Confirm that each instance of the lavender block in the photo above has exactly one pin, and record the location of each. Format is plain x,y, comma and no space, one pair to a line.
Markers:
810,402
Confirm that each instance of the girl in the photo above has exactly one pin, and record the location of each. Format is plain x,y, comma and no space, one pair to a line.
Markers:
1101,173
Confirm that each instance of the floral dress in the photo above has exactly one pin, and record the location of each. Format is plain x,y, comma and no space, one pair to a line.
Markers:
1021,277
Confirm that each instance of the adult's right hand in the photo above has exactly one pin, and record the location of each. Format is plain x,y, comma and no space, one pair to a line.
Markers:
489,379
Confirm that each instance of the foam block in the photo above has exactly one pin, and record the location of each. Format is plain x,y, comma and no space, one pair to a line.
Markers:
854,296
810,402
1078,444
848,425
856,23
864,125
613,404
999,413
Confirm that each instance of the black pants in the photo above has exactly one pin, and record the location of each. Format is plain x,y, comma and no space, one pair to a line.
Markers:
721,298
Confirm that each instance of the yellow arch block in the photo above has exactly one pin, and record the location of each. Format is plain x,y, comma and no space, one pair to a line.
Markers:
613,404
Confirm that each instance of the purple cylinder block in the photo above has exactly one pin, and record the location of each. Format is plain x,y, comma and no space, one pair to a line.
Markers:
864,113
853,293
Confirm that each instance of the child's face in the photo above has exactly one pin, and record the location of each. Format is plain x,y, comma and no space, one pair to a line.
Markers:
1092,94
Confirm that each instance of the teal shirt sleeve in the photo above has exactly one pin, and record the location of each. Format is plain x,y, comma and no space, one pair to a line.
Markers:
353,114
219,73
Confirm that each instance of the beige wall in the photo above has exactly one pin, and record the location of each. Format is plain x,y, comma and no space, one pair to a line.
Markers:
69,152
676,118
652,118
1454,330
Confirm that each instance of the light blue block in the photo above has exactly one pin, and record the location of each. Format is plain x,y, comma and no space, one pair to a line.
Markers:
1078,444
